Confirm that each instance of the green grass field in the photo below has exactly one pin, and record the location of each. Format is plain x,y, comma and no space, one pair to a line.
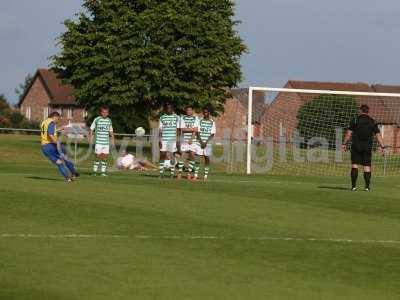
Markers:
133,236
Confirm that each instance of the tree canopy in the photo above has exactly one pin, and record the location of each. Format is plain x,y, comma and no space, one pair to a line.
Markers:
12,118
138,54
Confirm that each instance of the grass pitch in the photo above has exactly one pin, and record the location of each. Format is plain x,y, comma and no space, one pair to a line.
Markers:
133,236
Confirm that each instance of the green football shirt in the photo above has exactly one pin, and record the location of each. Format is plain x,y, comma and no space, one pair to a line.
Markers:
188,122
102,128
168,126
206,129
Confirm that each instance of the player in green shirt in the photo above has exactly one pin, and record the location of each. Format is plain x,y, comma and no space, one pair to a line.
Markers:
207,130
188,127
101,131
169,124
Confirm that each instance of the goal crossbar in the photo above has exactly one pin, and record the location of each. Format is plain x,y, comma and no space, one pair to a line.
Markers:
304,91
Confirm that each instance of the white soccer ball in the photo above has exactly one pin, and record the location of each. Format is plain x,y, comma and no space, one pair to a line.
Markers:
140,131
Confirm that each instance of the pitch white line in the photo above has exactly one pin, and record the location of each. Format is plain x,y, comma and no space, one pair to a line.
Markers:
194,237
62,236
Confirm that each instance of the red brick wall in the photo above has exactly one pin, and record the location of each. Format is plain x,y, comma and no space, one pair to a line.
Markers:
77,114
37,99
233,119
391,138
281,112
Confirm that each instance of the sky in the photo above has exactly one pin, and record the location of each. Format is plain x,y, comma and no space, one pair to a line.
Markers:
321,40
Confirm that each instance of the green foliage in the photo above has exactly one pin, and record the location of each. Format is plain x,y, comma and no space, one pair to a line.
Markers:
125,119
321,116
135,55
23,87
11,118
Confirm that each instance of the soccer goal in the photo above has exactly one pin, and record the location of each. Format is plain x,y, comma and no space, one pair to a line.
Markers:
300,131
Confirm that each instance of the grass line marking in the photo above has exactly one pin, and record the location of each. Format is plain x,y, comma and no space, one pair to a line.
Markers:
194,237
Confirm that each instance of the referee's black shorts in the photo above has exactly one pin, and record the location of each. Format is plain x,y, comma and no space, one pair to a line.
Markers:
361,157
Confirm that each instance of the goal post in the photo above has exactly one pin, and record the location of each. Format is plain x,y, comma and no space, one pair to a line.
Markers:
305,123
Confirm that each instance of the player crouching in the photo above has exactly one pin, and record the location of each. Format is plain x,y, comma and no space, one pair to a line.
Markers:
206,133
53,149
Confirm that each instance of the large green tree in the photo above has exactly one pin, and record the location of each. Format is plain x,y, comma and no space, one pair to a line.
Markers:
324,114
136,55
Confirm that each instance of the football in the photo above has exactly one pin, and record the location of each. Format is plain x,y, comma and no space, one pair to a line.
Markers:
140,131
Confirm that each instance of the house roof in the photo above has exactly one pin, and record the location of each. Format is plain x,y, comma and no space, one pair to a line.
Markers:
59,93
332,86
380,109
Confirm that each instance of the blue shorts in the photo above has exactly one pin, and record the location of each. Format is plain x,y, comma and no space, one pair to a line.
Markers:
52,153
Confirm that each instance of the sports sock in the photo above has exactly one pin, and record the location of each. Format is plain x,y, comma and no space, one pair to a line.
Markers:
173,166
206,170
180,166
191,166
63,171
70,167
367,178
196,169
161,167
103,167
96,165
354,176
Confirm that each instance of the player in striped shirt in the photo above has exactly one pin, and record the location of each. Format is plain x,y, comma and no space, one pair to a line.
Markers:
102,132
169,123
188,128
205,135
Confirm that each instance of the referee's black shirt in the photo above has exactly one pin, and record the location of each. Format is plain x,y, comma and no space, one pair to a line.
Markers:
364,129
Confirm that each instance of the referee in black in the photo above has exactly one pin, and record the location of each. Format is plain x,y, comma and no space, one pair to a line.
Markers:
361,131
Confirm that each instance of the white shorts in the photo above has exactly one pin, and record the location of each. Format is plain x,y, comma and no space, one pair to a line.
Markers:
168,147
102,149
207,151
188,147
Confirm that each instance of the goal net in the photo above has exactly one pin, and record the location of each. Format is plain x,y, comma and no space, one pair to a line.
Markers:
300,131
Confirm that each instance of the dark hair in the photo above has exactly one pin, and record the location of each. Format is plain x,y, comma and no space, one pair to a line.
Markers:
364,108
104,107
209,109
167,104
189,106
54,114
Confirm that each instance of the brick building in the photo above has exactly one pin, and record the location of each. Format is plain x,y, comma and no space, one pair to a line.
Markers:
232,124
45,94
280,116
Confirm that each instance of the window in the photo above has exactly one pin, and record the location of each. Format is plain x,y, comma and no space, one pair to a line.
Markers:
84,113
46,112
28,113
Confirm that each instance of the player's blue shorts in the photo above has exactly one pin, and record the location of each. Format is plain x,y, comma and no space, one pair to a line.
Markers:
52,153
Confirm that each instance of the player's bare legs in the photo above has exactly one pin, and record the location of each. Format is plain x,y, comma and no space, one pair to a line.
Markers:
163,156
206,167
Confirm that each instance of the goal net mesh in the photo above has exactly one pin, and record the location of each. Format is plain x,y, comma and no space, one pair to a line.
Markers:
301,132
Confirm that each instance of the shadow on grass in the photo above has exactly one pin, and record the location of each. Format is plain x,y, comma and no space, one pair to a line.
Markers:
44,178
336,188
149,175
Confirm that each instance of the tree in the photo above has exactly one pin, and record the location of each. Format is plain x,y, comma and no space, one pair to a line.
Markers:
11,118
135,55
324,114
23,87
